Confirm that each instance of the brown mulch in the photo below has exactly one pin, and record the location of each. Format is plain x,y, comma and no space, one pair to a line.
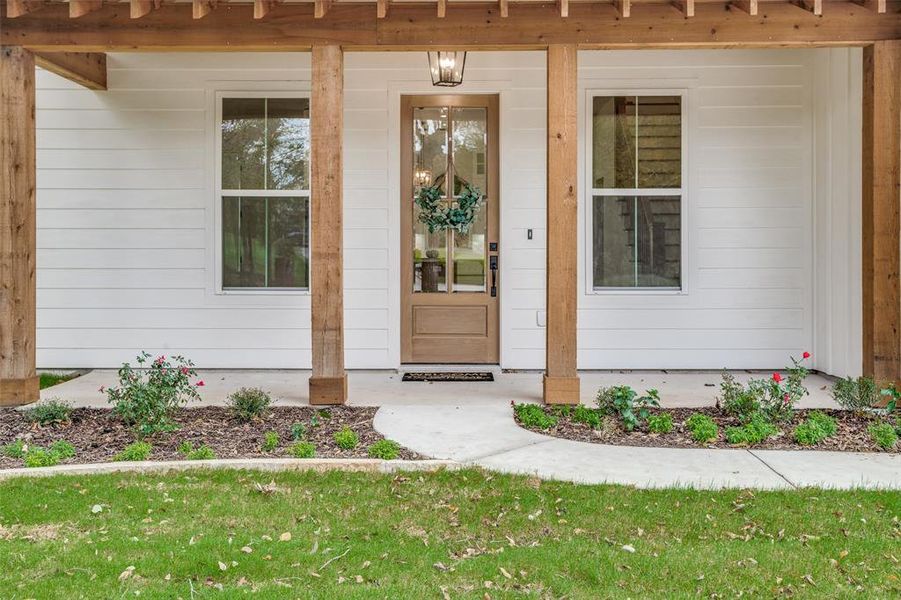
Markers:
852,434
98,434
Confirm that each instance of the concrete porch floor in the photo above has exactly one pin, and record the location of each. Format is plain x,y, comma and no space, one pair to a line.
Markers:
385,388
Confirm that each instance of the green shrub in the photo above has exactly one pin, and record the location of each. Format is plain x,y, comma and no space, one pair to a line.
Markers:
661,423
15,449
533,416
137,451
624,402
41,457
884,435
702,428
753,432
856,394
62,449
49,412
298,431
302,450
346,438
248,404
738,401
202,452
562,410
146,397
384,449
270,441
583,414
814,429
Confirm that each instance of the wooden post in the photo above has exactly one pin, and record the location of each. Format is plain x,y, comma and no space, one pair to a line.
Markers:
328,385
561,381
18,377
881,197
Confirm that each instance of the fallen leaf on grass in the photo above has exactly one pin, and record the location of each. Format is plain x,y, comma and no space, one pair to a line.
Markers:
285,537
505,573
628,548
96,509
246,549
126,573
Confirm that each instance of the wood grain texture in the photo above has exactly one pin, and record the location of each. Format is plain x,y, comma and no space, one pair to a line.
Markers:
18,227
881,170
80,8
415,27
562,219
327,206
84,68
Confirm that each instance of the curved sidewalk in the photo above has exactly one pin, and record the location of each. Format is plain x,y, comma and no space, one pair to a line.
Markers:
487,436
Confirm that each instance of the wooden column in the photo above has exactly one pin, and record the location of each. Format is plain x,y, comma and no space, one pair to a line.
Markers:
18,378
881,216
561,381
328,385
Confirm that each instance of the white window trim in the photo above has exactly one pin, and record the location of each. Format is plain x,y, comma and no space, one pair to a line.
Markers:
219,192
590,192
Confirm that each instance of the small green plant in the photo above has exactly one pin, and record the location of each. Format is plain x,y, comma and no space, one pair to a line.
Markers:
298,431
346,438
884,435
270,441
660,423
738,401
49,412
384,449
41,457
302,450
562,410
62,449
583,414
248,404
753,432
856,394
702,428
623,401
137,451
533,416
892,397
814,429
202,452
15,449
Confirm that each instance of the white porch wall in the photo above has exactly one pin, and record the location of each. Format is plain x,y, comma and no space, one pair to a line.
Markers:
125,214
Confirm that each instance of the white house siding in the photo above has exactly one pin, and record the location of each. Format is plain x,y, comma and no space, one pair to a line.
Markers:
126,213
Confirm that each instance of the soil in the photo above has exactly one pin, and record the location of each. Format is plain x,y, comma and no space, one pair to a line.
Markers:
852,434
98,434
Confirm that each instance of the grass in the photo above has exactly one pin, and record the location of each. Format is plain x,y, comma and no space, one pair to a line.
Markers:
52,379
464,534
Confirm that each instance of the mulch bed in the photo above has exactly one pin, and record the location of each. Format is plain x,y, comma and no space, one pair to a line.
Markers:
852,434
98,434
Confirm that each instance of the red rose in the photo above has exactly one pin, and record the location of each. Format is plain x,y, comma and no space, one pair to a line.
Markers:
777,377
806,355
785,398
184,370
200,383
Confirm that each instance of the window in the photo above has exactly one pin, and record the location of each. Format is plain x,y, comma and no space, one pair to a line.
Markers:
265,191
636,183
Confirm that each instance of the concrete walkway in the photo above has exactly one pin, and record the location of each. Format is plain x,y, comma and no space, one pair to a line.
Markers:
487,436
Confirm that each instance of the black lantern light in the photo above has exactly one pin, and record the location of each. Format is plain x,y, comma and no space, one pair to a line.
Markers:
447,68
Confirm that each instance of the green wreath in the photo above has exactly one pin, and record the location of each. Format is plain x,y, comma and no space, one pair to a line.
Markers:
438,215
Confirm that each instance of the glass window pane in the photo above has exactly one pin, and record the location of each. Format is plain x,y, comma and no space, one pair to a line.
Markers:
659,252
288,143
613,140
429,147
659,141
614,242
470,135
243,147
244,242
470,250
288,243
429,257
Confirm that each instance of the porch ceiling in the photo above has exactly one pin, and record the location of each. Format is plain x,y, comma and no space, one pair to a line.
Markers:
268,25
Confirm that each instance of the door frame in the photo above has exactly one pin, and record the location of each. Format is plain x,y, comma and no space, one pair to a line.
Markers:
405,102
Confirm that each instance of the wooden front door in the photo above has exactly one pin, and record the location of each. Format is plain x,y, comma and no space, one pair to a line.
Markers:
449,282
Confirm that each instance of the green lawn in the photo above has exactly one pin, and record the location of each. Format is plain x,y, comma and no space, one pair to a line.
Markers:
444,535
51,379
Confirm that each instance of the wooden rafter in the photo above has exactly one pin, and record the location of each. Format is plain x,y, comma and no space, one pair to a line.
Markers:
504,7
17,8
686,7
381,8
623,7
321,8
201,8
84,68
261,8
814,6
140,8
442,9
878,6
79,8
563,7
748,6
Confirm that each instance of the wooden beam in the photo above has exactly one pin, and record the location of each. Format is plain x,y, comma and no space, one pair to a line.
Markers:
141,8
442,9
563,7
84,68
881,215
561,380
17,8
19,383
381,8
468,26
201,8
80,8
813,6
748,6
877,6
686,7
321,8
504,8
328,383
623,7
261,8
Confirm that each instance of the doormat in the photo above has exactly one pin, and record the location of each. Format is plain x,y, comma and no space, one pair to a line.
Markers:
450,376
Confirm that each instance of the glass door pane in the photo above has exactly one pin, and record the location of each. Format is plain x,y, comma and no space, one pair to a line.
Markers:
470,167
430,166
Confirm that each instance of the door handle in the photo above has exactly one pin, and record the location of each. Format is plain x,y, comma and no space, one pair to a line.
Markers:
492,264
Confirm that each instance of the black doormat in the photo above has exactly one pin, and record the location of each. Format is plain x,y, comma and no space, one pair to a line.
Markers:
450,376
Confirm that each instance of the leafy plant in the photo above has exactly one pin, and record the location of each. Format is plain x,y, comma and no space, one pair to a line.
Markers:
202,452
738,401
660,423
15,449
384,449
856,394
583,414
298,431
774,398
270,441
136,451
623,401
145,398
41,457
753,432
884,435
533,416
814,429
49,412
302,450
346,438
893,397
248,404
702,428
62,449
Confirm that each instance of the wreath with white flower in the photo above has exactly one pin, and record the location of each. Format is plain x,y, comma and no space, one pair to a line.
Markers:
439,215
